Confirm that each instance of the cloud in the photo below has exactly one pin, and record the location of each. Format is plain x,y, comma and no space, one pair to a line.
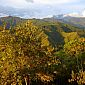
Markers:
26,3
15,3
3,15
83,13
30,1
40,8
54,1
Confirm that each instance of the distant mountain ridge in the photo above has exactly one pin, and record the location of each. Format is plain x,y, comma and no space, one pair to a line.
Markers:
53,28
73,19
10,21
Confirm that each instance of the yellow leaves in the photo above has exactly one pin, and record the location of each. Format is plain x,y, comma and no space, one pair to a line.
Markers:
44,77
44,42
50,49
70,36
49,63
2,47
82,39
53,61
22,61
73,75
75,46
79,77
28,48
3,58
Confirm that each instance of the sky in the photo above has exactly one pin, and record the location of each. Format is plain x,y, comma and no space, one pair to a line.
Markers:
40,8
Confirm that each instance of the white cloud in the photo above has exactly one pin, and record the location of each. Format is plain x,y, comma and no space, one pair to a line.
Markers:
54,1
83,13
40,8
25,3
14,3
3,15
74,14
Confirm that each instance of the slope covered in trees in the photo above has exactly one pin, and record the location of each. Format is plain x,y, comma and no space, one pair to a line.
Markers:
57,31
9,21
41,52
75,21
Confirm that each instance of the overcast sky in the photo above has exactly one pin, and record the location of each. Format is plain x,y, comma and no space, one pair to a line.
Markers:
40,8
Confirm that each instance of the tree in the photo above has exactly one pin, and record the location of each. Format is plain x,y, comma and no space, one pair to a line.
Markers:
23,50
76,49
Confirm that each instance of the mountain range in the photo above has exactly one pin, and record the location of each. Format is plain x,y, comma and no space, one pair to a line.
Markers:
56,29
75,19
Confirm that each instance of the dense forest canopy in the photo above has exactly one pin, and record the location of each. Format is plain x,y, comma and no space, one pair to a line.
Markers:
41,52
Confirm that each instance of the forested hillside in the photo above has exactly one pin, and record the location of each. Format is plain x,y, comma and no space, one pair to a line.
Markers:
41,52
9,21
75,21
